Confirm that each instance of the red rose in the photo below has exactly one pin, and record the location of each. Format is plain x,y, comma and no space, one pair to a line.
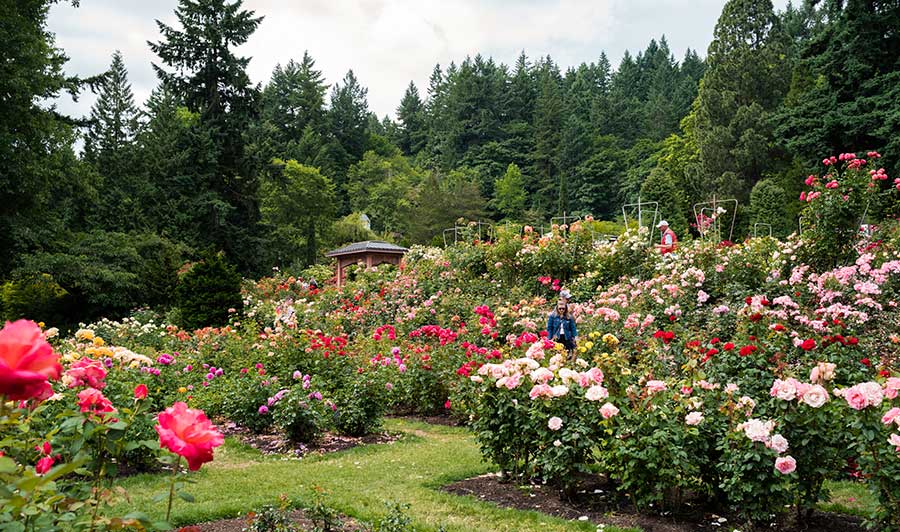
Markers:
140,391
43,465
808,344
27,362
728,346
866,362
747,350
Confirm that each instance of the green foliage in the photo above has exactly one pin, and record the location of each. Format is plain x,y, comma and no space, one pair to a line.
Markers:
38,298
509,193
206,292
767,206
359,407
661,186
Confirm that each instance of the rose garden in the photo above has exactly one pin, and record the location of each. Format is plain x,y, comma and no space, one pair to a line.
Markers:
732,385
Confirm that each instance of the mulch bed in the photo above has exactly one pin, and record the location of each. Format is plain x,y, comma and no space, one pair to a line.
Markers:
297,516
278,443
595,503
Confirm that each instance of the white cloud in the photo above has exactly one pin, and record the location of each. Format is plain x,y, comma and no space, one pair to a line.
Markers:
389,42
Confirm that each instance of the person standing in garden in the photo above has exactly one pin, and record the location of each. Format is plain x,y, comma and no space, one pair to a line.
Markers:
668,242
561,327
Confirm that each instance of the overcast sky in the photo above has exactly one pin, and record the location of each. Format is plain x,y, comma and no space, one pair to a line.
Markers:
387,43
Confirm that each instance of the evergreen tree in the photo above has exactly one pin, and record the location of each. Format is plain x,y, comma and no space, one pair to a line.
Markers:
509,193
549,193
767,206
36,158
109,147
212,81
412,132
293,101
745,80
661,187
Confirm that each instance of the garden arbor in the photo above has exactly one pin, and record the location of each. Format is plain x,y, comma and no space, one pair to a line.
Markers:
371,253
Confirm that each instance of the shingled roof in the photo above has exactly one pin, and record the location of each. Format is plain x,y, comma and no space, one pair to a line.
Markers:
367,246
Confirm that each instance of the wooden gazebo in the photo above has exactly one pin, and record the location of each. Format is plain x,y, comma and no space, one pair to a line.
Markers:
371,253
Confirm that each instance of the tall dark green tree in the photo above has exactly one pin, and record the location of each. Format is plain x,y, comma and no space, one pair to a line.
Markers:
291,106
745,81
211,80
550,185
412,132
36,158
348,130
109,147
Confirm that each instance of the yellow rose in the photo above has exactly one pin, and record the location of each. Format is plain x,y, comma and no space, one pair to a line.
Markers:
98,342
588,344
182,390
41,324
582,349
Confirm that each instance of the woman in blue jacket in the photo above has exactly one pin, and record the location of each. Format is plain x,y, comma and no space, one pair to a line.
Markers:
561,327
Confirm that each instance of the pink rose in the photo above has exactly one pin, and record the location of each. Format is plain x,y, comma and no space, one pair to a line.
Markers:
778,443
559,390
757,430
786,390
895,441
554,423
785,464
855,398
541,375
27,362
694,418
540,390
656,386
608,410
891,416
596,393
815,396
189,433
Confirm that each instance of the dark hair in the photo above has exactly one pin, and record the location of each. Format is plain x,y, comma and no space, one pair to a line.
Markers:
564,313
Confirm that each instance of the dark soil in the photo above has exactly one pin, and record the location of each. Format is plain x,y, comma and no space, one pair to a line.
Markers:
278,443
596,504
298,517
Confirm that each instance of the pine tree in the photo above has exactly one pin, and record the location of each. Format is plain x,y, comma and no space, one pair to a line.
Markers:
212,81
293,100
550,194
412,132
745,81
109,147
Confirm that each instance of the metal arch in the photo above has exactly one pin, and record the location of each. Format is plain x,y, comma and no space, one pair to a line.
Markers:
715,202
640,204
760,224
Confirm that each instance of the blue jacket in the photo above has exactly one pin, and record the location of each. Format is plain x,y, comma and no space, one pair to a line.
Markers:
568,325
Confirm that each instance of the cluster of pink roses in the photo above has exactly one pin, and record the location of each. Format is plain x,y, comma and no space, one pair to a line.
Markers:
760,431
814,395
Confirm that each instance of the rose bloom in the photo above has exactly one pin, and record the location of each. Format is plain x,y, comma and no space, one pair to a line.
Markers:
785,390
596,393
559,390
895,441
778,443
694,418
27,361
855,398
656,386
873,392
92,400
140,391
86,372
785,464
541,375
554,423
815,396
540,390
891,416
43,465
608,410
756,430
188,432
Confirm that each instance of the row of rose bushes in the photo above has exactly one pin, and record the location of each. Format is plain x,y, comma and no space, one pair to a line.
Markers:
660,439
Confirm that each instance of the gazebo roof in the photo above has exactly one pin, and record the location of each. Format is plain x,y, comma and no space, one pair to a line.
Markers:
375,246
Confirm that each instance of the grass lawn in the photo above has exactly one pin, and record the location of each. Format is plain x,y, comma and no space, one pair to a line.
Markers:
359,481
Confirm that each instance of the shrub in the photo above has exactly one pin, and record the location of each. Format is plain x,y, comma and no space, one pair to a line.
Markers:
301,414
207,291
359,406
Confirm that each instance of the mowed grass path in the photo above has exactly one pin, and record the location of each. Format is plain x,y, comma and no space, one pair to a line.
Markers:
357,483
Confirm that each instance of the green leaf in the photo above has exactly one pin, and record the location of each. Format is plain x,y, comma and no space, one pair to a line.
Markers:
187,497
8,465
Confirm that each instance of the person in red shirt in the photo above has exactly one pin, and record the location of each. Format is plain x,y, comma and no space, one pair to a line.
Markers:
669,241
